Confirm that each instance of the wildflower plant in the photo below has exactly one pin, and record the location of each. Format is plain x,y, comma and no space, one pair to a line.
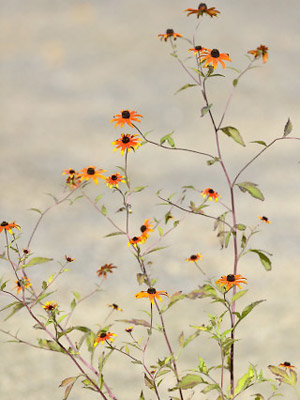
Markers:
164,377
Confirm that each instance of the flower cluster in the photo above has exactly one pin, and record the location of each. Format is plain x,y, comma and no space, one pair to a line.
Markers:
145,229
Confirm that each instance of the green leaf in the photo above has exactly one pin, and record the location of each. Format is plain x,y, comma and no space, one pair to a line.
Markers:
240,227
73,304
36,261
35,209
252,189
76,295
50,345
248,309
210,387
160,231
188,85
139,188
211,162
67,381
141,278
148,382
234,134
181,339
245,381
238,295
135,321
167,138
235,82
189,381
103,210
280,373
202,366
259,142
266,262
204,110
288,128
114,234
156,249
98,198
142,396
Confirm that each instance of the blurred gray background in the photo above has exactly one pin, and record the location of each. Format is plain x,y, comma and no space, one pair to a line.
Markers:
66,68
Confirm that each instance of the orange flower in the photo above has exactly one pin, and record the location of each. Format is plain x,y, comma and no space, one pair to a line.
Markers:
287,364
152,294
127,142
105,269
146,228
194,257
261,51
231,280
265,219
115,307
114,180
50,306
8,226
73,177
211,193
169,34
69,259
135,240
103,337
213,57
198,50
25,282
202,9
126,117
70,172
91,173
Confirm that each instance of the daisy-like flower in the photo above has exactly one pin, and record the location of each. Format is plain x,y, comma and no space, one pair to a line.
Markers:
265,219
136,240
129,329
25,282
127,142
69,259
202,9
126,117
194,257
146,228
70,172
152,294
211,193
287,364
169,34
105,269
199,50
73,178
114,180
8,226
213,57
115,307
50,306
103,337
231,280
261,51
91,173
26,251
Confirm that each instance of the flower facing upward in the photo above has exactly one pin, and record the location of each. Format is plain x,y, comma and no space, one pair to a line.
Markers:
114,180
194,257
127,142
50,306
169,34
211,193
213,57
199,50
261,51
126,117
231,280
104,270
202,9
25,282
8,226
115,307
103,337
136,240
265,219
146,228
91,173
152,294
287,364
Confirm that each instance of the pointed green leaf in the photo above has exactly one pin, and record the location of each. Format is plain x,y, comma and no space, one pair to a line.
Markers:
188,85
114,234
288,128
259,142
189,381
234,134
239,294
266,262
204,110
139,188
252,189
36,261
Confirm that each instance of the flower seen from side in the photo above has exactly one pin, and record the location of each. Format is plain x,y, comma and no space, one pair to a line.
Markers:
69,259
261,51
105,269
126,117
198,50
8,226
136,240
114,180
265,219
152,294
50,306
211,194
91,173
129,329
202,9
126,142
73,178
115,307
231,280
194,257
146,228
214,57
25,282
169,34
287,364
103,337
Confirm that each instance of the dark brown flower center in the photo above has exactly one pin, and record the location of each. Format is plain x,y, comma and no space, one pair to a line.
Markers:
211,191
265,218
143,228
215,53
287,364
193,257
115,306
114,177
202,6
230,278
72,171
135,239
125,139
126,114
103,334
198,48
91,171
19,284
4,223
50,307
169,31
151,290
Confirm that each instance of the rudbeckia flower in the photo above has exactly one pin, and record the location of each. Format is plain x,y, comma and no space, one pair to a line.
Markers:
265,219
8,226
169,34
103,337
287,364
114,180
126,117
91,173
50,306
213,57
25,282
73,177
136,239
127,142
69,259
194,257
231,280
152,294
70,172
146,228
211,193
129,329
115,307
105,269
261,51
199,50
202,9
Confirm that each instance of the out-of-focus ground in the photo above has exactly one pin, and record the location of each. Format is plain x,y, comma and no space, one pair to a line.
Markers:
66,68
